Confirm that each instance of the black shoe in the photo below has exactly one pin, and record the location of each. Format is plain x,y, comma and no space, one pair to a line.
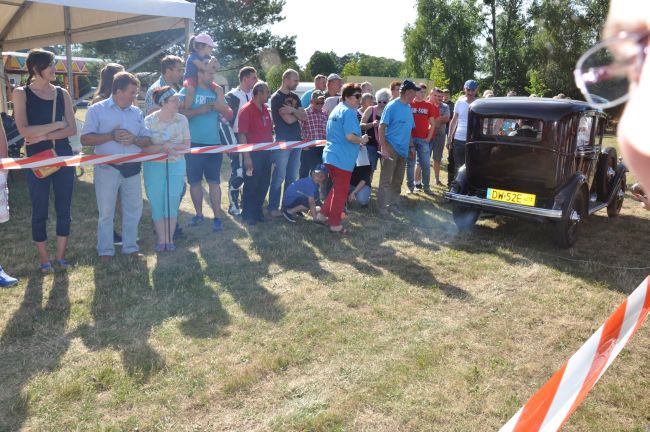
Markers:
418,186
300,214
288,216
117,239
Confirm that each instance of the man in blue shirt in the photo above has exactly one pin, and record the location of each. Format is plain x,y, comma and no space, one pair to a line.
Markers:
320,83
204,116
171,73
116,126
396,145
302,194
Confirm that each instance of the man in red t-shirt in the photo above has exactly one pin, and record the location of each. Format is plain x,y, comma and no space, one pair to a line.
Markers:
255,126
424,116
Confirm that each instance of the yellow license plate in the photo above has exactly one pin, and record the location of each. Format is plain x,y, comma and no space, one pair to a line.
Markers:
511,197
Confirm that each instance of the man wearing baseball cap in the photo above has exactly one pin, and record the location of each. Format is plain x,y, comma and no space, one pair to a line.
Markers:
396,145
458,125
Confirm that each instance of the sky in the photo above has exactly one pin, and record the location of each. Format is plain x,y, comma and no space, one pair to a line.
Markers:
375,26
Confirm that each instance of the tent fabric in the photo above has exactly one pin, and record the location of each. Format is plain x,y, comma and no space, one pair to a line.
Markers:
38,23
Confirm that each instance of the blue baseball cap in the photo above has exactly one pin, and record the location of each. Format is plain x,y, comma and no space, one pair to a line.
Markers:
321,168
471,85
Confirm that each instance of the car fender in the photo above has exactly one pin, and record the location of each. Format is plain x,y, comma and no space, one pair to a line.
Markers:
459,184
564,195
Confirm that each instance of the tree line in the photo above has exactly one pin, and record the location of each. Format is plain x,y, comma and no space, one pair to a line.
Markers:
529,46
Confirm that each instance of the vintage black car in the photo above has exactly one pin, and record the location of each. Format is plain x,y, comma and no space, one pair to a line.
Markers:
538,159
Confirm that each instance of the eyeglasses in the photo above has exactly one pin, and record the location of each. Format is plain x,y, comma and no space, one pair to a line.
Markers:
604,73
382,102
357,95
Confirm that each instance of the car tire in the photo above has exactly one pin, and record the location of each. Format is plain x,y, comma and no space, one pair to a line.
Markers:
605,173
614,207
465,216
566,230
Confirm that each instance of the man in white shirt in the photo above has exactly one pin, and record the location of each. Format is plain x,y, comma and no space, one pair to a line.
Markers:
458,125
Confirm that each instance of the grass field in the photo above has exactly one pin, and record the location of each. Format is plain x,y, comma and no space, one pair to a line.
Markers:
406,325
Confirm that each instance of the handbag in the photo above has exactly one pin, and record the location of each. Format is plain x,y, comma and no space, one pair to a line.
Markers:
43,172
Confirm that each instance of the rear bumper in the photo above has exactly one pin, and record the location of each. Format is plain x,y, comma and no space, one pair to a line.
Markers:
502,207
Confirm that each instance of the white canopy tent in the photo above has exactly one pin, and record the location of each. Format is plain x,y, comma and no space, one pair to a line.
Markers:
39,23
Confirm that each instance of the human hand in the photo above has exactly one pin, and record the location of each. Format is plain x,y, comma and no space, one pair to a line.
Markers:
286,109
36,139
123,137
248,164
364,139
352,197
375,123
644,200
411,153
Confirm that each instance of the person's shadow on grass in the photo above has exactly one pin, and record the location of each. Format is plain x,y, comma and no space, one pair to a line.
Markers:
34,341
124,310
229,265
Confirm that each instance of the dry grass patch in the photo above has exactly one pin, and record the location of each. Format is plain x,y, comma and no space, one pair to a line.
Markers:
406,325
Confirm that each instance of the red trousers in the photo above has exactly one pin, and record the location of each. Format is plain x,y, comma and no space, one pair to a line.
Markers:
335,201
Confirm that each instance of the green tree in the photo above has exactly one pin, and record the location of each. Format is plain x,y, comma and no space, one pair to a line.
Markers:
242,39
322,63
437,74
379,66
351,68
536,85
447,30
560,31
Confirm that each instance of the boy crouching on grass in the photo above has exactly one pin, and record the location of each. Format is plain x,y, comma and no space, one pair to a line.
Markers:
302,194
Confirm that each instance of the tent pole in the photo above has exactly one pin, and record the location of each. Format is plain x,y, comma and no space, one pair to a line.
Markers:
68,49
189,29
3,88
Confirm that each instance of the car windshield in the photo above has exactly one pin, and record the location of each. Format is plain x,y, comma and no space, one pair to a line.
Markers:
511,129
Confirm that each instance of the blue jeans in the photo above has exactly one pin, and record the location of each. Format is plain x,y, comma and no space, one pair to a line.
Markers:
62,182
422,151
286,164
363,196
108,181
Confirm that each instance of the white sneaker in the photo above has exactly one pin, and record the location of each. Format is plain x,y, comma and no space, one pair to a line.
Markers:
234,210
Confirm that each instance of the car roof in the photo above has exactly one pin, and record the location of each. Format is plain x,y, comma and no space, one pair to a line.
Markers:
539,108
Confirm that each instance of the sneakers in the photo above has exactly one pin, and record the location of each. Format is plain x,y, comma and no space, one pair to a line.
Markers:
234,209
288,216
178,233
216,225
428,192
196,220
6,280
418,186
117,239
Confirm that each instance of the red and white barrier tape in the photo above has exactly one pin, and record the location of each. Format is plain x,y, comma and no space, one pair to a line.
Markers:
554,403
83,159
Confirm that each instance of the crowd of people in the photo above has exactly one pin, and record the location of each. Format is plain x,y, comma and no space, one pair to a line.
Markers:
401,130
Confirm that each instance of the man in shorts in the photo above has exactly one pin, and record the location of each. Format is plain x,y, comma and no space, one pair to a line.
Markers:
204,116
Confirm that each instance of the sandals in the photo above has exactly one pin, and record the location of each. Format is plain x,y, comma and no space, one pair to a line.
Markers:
46,267
63,264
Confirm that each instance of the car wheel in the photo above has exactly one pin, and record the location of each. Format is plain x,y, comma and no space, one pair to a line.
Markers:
566,230
614,207
605,173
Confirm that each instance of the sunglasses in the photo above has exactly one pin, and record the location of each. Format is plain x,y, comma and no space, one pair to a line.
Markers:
357,95
382,102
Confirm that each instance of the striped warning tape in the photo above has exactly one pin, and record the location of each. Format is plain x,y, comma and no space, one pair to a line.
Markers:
554,403
84,159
